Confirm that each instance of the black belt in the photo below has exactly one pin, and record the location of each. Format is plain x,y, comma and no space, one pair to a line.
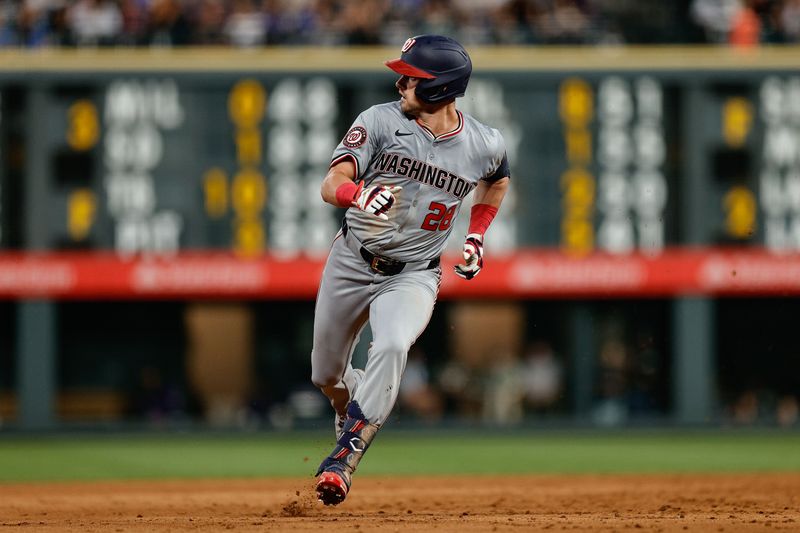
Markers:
382,265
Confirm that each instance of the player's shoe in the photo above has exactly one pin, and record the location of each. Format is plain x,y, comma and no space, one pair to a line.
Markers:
338,421
333,483
334,474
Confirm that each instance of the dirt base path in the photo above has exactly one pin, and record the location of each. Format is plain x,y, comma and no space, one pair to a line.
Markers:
758,502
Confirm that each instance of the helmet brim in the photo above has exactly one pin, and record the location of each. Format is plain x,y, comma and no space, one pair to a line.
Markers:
401,67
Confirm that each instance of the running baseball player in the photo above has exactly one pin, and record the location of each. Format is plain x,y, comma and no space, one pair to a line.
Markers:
403,170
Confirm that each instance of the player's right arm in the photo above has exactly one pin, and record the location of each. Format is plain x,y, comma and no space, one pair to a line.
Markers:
339,189
340,174
350,159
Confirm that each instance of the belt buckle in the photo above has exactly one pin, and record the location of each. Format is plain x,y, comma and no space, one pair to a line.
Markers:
375,265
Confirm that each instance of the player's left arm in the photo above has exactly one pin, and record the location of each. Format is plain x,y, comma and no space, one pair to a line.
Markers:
489,194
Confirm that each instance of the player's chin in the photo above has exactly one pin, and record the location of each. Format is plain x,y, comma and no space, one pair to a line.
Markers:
406,107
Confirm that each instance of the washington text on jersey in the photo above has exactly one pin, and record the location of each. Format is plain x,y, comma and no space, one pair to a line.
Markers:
424,173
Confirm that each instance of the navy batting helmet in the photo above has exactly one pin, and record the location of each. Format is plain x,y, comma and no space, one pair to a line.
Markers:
442,65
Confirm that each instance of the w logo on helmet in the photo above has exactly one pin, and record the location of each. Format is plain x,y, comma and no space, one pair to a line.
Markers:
408,44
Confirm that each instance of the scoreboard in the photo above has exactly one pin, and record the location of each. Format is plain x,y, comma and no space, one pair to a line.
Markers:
613,152
157,164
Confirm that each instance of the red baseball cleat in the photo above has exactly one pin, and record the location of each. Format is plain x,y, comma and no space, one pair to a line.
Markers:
331,488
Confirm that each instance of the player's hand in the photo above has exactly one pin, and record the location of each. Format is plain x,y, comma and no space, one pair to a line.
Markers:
473,257
376,200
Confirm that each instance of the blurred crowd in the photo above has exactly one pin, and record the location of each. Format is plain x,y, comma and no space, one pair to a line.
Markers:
248,23
500,390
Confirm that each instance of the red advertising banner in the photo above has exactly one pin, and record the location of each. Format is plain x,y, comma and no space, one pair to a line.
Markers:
525,274
674,272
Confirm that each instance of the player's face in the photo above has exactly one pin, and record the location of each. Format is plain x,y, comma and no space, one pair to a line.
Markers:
408,95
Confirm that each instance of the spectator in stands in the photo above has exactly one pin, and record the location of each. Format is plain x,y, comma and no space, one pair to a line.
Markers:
155,399
611,407
246,24
168,24
769,14
745,26
361,21
33,23
788,20
417,394
515,22
8,23
403,19
477,19
745,409
298,22
542,377
565,23
440,17
60,34
208,22
134,22
462,387
8,32
787,412
715,17
503,389
94,22
742,23
367,22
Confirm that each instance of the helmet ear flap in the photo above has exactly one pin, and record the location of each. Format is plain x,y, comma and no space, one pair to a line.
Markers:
442,90
437,93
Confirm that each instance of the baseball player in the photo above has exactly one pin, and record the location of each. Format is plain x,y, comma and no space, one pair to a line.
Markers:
403,170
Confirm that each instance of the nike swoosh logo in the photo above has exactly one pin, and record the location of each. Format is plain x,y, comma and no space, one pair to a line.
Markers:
402,133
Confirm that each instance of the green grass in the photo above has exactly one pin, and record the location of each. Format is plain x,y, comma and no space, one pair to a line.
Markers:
60,457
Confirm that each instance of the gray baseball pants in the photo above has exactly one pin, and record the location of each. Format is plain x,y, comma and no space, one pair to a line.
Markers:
398,309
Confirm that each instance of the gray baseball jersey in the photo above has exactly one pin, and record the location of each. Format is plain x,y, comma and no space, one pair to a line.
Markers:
436,173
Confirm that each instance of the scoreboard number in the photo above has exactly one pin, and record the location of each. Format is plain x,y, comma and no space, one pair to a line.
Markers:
632,189
576,110
136,111
84,127
247,106
780,174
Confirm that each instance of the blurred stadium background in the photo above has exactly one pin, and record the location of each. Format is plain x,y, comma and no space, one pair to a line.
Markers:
162,235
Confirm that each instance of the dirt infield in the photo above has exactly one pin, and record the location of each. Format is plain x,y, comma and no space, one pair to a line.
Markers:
735,502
